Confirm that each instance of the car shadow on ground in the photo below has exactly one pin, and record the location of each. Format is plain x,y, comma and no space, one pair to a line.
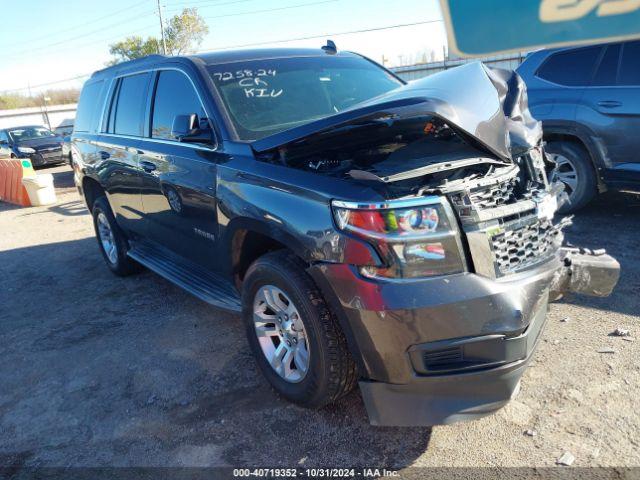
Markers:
102,370
612,222
63,177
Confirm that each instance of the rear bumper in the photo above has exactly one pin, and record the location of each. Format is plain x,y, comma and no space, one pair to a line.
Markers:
445,349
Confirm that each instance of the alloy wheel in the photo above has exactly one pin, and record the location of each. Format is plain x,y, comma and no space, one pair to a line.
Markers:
107,239
281,333
174,200
565,172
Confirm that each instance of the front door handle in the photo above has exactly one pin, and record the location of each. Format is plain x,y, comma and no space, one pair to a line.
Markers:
104,155
609,103
148,166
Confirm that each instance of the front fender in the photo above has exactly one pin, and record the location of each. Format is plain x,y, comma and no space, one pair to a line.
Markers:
297,217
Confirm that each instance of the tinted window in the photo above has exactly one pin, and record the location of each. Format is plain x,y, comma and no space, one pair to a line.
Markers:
112,108
3,136
129,108
573,68
87,106
630,66
264,97
606,74
175,95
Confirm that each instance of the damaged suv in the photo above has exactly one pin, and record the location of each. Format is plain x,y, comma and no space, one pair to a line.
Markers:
399,236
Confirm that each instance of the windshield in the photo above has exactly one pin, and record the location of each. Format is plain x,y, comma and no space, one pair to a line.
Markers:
29,133
264,97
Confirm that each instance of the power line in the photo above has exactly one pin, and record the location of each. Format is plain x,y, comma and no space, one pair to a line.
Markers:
84,24
228,47
71,39
252,12
377,29
136,18
30,87
206,3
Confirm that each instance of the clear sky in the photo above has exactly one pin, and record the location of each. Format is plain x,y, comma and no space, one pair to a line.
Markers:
46,41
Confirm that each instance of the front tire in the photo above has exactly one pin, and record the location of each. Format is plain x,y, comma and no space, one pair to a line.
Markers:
575,170
297,342
112,241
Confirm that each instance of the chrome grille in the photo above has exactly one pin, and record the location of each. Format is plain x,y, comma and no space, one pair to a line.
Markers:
487,197
518,248
52,155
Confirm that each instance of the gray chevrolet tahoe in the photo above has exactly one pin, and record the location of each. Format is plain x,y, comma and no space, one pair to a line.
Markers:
400,237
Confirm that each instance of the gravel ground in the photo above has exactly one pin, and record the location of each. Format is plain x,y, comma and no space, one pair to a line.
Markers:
103,371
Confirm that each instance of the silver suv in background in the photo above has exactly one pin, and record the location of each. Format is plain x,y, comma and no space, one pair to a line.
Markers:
588,100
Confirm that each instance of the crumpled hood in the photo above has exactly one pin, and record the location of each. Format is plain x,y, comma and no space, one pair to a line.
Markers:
489,105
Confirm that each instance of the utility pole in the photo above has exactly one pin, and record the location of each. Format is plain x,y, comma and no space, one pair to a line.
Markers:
164,42
46,99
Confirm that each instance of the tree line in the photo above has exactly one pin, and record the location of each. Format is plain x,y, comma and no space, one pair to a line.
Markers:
53,97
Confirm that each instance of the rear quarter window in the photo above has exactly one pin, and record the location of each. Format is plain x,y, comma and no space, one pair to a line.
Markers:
608,68
88,106
572,68
630,65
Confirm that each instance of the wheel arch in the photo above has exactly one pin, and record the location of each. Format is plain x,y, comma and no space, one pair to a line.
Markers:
567,132
247,239
91,190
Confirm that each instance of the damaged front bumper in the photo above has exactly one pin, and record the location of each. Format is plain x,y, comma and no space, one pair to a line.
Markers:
448,349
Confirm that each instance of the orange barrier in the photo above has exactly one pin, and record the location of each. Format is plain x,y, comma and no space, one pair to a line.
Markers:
11,188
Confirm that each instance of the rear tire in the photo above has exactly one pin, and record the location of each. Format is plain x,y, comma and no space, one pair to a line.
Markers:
111,240
575,170
330,371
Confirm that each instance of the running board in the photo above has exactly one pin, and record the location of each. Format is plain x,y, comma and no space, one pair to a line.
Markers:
189,276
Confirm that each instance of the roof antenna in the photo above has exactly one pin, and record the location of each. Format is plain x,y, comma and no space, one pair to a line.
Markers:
330,47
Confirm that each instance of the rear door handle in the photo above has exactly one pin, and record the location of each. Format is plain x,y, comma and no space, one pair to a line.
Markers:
148,166
609,103
104,155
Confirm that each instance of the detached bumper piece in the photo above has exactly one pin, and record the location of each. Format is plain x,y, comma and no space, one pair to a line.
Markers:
586,272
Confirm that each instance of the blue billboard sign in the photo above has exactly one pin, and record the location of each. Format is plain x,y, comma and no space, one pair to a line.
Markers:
485,27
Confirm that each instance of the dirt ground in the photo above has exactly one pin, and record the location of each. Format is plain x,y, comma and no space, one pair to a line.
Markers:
97,370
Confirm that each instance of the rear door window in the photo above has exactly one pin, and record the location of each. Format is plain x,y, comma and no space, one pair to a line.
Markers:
572,68
88,106
128,116
608,68
175,95
630,65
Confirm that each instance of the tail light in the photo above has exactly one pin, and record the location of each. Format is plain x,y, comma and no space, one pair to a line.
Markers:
416,238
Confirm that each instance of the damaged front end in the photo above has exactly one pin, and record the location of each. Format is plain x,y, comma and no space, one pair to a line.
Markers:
465,134
463,217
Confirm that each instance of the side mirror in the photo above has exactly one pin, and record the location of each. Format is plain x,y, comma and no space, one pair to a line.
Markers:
188,129
4,142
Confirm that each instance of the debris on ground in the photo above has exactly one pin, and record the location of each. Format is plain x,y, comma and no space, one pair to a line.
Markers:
530,433
565,319
627,339
606,350
566,459
620,332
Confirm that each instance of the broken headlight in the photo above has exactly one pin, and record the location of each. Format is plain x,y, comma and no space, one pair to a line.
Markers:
415,238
